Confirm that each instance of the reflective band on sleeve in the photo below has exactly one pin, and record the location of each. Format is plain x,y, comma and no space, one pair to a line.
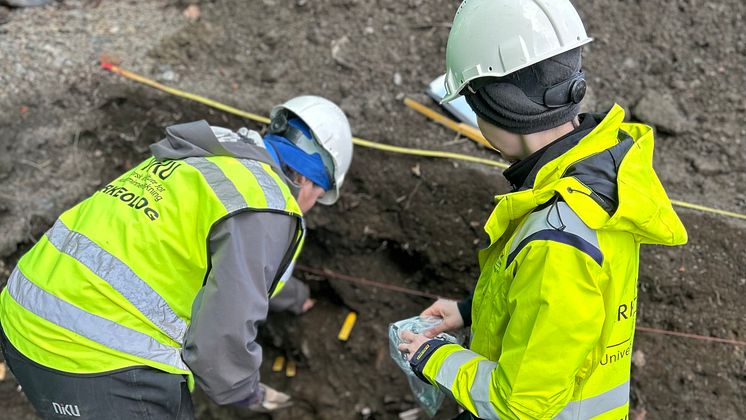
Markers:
480,390
119,276
223,187
288,273
594,406
450,367
272,191
90,326
556,222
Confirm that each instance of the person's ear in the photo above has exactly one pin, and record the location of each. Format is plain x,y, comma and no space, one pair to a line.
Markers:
302,180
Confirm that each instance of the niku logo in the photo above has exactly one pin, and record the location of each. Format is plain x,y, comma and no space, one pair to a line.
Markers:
66,409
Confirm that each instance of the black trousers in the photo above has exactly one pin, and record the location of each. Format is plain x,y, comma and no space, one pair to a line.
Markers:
134,393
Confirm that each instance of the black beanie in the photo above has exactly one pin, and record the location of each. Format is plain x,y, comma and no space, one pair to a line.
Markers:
506,101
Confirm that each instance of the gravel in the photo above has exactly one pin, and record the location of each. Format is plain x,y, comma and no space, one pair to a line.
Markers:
47,49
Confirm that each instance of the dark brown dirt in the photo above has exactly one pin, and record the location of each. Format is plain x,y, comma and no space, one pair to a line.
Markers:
419,231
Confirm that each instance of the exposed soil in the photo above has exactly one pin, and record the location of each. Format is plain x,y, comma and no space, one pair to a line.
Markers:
67,127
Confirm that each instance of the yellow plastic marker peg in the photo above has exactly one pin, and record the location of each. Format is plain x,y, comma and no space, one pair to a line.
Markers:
278,364
344,333
290,369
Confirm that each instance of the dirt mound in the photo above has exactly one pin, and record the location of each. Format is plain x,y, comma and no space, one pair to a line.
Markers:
419,228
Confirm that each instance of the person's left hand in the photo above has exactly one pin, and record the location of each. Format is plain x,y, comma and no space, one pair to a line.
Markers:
412,342
307,305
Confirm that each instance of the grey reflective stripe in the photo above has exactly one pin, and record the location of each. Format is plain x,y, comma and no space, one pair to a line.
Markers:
553,217
451,365
119,276
556,218
594,406
480,390
90,326
223,187
272,191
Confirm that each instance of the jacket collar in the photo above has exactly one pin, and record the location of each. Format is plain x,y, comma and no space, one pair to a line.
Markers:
522,174
548,174
638,203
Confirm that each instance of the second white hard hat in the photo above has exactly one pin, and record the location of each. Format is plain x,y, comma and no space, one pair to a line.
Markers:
493,38
330,129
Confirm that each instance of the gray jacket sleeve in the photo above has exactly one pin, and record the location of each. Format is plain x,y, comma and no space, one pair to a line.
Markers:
291,297
246,251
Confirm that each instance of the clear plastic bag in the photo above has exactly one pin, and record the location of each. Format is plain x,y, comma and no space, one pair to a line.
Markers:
428,396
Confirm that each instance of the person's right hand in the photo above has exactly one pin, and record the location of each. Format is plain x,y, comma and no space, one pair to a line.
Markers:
272,400
446,309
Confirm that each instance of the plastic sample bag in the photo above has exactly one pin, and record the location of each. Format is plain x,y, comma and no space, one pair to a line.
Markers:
428,396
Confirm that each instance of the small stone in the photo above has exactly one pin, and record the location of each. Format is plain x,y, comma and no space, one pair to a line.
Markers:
416,171
679,84
661,110
397,79
338,47
192,13
638,359
274,73
6,167
168,76
707,166
412,414
4,15
390,399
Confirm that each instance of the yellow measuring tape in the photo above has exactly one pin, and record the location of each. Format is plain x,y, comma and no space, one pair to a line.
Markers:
367,143
264,120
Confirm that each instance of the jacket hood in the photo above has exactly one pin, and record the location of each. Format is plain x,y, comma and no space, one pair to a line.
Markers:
199,139
608,179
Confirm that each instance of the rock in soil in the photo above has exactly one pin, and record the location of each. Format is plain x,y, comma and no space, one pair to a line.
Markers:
4,15
661,111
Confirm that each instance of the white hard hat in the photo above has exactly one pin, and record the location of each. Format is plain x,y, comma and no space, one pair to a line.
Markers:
493,38
330,129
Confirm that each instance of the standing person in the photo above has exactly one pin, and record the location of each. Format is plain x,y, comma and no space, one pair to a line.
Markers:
161,277
553,313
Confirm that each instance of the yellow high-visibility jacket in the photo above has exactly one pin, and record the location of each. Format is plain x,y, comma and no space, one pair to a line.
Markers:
555,306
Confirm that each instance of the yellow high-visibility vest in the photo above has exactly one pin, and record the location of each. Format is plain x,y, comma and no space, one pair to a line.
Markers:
111,284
